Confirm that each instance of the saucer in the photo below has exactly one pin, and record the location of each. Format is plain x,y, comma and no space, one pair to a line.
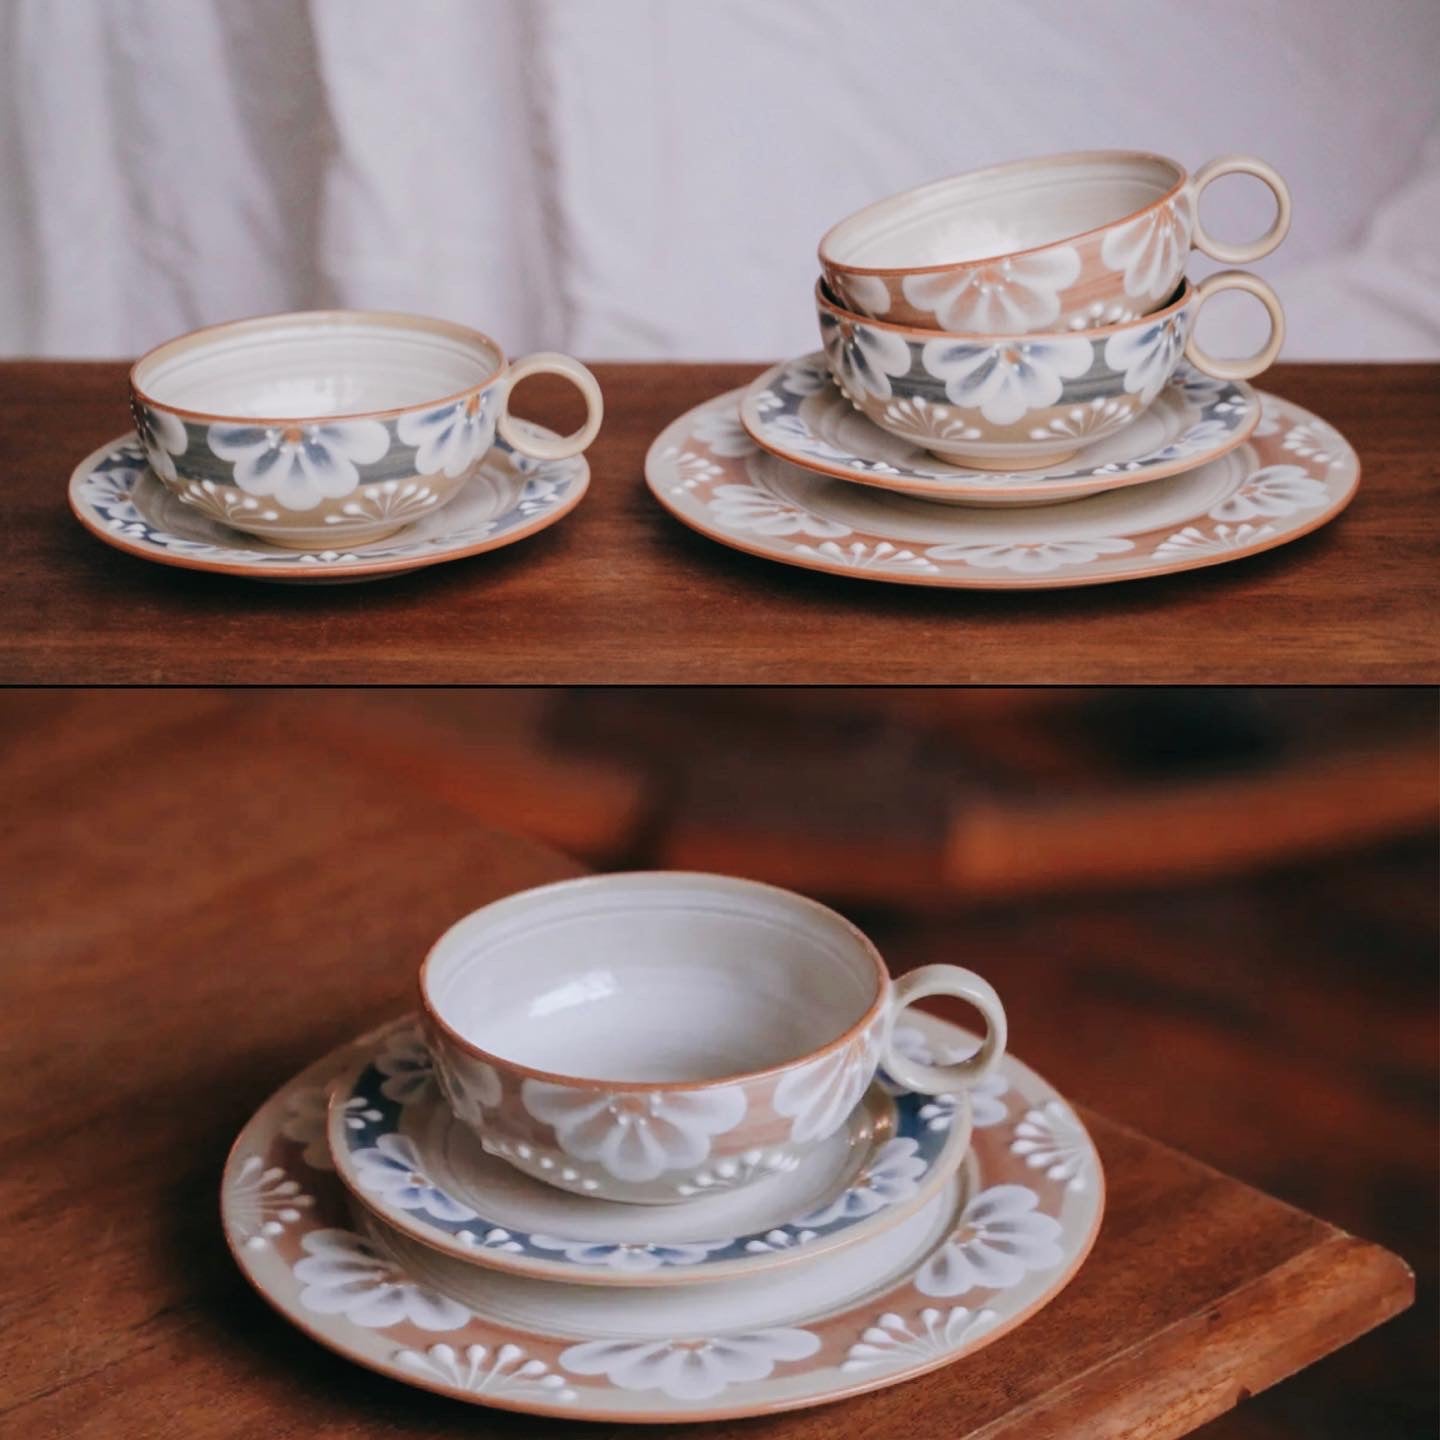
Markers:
116,497
399,1148
1295,473
796,411
1000,1239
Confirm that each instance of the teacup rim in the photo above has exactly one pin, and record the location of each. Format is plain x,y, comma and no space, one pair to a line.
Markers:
1066,157
1183,295
872,1012
340,316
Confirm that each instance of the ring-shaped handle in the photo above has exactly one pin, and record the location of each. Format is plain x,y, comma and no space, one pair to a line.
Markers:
1246,254
1247,365
559,447
964,985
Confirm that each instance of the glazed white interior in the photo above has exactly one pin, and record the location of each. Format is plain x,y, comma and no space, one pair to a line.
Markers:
994,212
311,366
652,978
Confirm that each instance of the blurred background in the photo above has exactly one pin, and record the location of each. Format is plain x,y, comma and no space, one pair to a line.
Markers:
645,178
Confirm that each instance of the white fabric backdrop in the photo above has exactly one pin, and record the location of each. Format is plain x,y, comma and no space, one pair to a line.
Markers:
649,178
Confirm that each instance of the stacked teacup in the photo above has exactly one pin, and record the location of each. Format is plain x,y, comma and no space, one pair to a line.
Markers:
1007,318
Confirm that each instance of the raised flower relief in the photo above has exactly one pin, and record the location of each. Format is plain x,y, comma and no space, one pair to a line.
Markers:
406,1063
1088,420
393,1170
638,1136
262,1200
1272,491
817,1098
868,294
342,1274
1051,1138
1001,1238
857,555
302,466
893,1341
863,359
1147,355
162,436
749,507
1006,380
1152,249
1010,296
1221,541
632,1258
450,439
1038,557
690,1369
723,434
893,1176
478,1370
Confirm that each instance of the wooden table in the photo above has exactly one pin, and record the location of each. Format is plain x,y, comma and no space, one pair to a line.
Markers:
621,592
211,897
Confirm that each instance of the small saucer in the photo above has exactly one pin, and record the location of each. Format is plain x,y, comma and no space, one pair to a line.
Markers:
1000,1239
399,1148
797,412
1292,475
118,499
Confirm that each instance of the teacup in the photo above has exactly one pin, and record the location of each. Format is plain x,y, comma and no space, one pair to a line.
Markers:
1064,242
335,427
1019,402
650,1036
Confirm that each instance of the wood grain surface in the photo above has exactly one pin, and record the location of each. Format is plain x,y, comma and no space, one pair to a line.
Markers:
621,592
209,896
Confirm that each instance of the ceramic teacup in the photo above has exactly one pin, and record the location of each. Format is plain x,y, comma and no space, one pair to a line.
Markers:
648,1036
1019,402
1064,242
335,428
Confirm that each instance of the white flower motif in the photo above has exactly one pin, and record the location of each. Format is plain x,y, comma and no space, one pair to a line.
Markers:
405,1061
112,489
1273,490
493,1239
1001,1237
817,1098
305,1121
804,377
636,1136
162,435
1051,1139
987,1107
262,1200
1035,557
633,1258
1010,296
1147,355
471,1086
1200,436
1197,387
892,1176
389,500
1224,538
918,416
1088,420
1312,440
859,556
690,1369
1272,416
1008,379
1152,249
343,1274
393,1169
300,465
773,1240
892,1341
748,507
451,438
732,1171
723,433
863,359
481,1371
867,294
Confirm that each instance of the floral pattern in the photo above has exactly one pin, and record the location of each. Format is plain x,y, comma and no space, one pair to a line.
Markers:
690,1369
450,439
162,436
342,1274
633,1138
300,465
405,1061
471,1086
393,1169
1222,540
1001,1237
987,1096
723,434
306,1119
1035,558
891,1177
893,1340
1273,490
1052,1139
748,507
1006,380
632,1258
817,1098
1148,356
478,1370
1008,296
863,359
263,1200
1152,249
860,556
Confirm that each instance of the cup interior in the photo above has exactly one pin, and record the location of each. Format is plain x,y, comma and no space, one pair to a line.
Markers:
316,366
652,978
999,211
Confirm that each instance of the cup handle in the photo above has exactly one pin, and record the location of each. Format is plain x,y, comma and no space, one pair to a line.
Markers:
964,985
559,447
1247,365
1241,254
